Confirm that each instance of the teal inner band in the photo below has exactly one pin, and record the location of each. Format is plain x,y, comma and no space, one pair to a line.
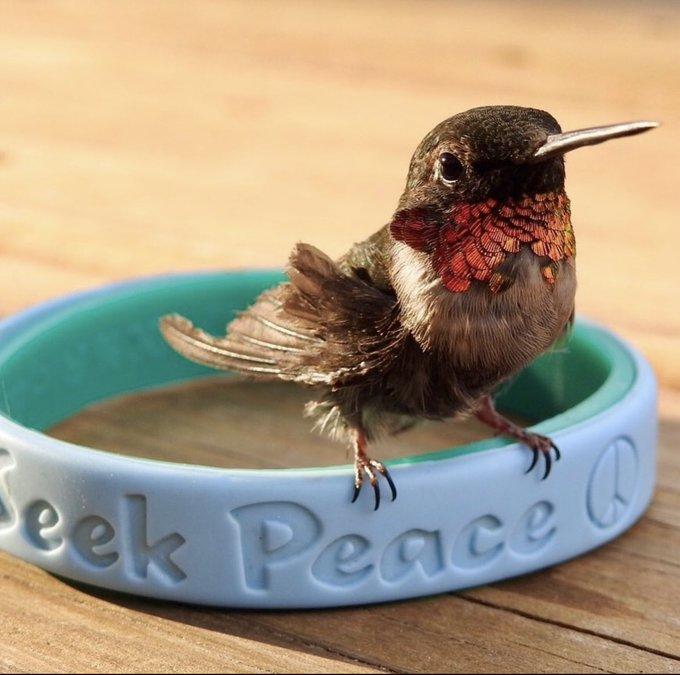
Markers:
108,343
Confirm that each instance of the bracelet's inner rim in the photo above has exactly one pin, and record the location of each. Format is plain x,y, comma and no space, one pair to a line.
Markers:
56,361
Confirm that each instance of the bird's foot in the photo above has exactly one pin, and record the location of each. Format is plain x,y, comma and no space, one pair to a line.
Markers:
364,466
372,469
537,443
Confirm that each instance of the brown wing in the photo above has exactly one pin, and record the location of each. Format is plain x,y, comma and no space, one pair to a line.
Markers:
326,326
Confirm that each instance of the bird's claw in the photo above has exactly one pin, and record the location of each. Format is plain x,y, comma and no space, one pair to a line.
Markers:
542,445
372,468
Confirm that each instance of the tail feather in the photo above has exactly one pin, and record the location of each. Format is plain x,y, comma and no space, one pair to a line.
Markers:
268,345
323,326
200,347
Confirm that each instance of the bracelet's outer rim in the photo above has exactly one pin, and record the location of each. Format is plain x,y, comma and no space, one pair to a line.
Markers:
265,539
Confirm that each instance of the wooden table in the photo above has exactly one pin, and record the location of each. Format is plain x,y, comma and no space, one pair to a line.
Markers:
145,137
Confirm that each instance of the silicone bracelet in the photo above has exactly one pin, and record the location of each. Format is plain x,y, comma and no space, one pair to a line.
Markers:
291,538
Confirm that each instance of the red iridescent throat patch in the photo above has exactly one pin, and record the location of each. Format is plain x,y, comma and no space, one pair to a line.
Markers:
477,238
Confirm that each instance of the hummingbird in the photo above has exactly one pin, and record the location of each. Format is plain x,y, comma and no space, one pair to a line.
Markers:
470,281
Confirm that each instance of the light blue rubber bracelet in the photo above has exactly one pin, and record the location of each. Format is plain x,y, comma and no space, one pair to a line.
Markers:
291,538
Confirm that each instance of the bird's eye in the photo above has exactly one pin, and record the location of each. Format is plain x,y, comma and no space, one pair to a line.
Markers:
450,167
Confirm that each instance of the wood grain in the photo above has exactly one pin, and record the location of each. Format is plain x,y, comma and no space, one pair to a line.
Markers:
138,138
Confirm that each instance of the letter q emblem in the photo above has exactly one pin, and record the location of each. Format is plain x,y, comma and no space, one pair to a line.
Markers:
612,483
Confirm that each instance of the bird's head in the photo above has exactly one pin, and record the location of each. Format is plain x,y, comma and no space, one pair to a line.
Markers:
485,183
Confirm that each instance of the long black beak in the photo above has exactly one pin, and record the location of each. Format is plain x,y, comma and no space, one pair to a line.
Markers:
558,144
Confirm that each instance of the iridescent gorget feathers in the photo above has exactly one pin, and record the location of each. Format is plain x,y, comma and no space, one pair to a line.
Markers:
473,240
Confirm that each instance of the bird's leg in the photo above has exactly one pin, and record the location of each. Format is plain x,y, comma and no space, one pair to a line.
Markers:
540,445
363,464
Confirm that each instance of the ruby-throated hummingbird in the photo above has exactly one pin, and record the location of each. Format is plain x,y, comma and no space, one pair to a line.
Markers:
469,282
